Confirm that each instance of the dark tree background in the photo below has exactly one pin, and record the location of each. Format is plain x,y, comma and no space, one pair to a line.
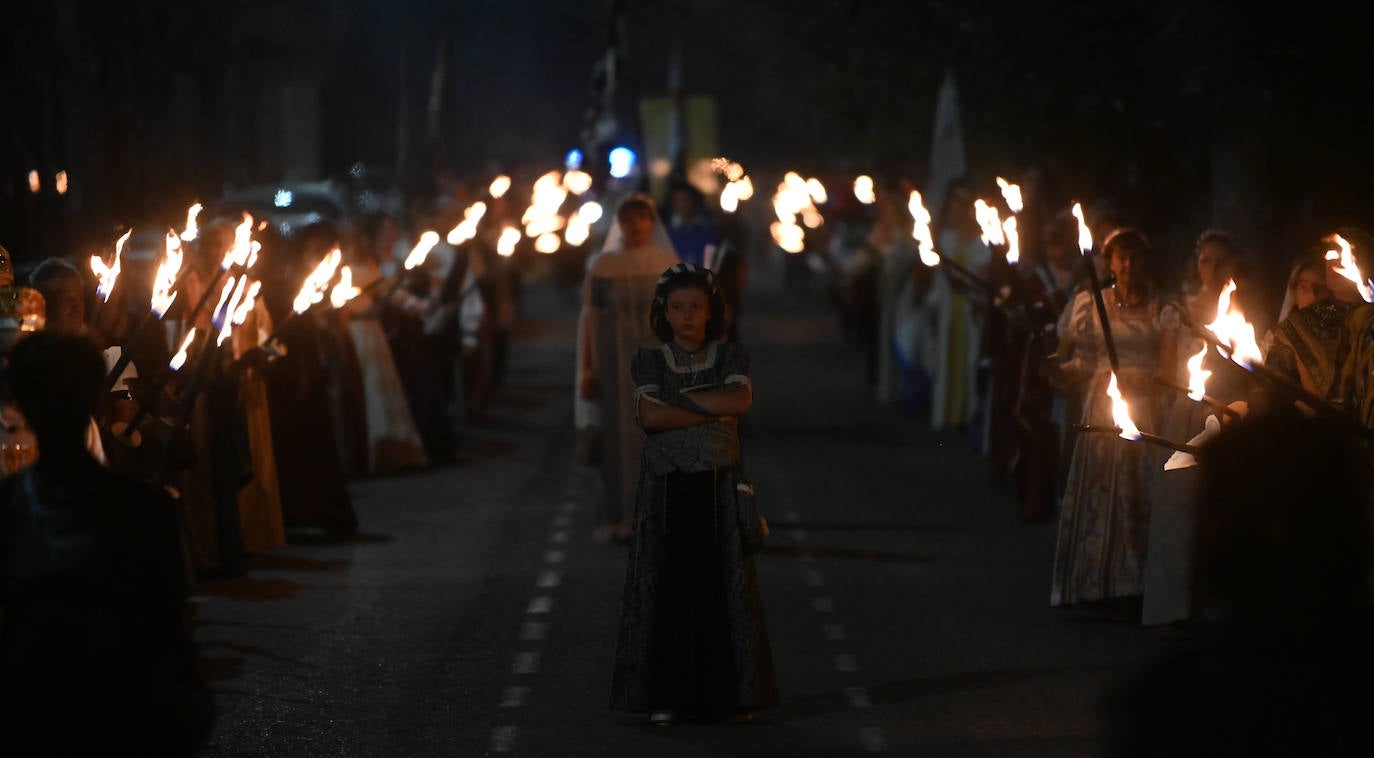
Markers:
1183,115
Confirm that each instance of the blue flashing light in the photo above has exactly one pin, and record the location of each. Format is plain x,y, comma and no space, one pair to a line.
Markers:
622,162
283,198
573,161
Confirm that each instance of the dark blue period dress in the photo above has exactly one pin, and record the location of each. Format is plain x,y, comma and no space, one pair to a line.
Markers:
692,631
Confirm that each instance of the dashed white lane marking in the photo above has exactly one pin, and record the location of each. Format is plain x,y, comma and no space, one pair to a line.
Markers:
823,604
558,537
834,632
532,631
540,604
548,579
847,663
502,739
871,737
525,663
858,697
514,697
555,556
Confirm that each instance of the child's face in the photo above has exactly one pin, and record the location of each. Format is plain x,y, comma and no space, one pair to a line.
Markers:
688,311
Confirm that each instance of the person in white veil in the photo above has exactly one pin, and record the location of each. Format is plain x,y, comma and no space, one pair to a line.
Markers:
617,290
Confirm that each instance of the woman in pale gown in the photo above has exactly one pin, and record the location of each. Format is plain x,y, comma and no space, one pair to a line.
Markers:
616,293
394,442
1105,516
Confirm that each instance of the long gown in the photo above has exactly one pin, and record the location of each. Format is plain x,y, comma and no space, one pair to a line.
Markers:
692,631
260,511
394,442
1105,516
616,294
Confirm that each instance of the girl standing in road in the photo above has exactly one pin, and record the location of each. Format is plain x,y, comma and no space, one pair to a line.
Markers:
693,640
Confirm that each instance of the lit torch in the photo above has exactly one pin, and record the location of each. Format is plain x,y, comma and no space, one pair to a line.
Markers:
863,190
1012,194
1121,413
505,245
1348,268
108,274
192,229
1197,376
344,291
418,254
1085,246
1237,335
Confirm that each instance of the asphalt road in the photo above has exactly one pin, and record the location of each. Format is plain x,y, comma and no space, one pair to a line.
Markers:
475,615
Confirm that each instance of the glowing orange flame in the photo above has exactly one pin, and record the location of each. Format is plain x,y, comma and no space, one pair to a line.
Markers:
166,276
1121,413
577,182
245,305
192,230
547,243
920,231
179,359
35,182
863,190
1348,268
543,225
312,291
61,182
224,315
788,236
467,228
1231,328
744,187
990,223
816,190
1197,376
344,291
420,252
108,274
590,212
1085,235
242,249
1013,240
729,198
1012,194
499,186
505,245
577,231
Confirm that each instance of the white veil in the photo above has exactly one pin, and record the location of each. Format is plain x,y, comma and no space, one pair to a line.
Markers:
615,237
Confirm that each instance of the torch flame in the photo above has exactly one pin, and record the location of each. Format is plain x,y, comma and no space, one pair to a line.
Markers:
1013,240
788,236
242,249
245,306
192,229
108,275
577,182
729,198
863,190
227,311
420,252
590,212
1121,413
577,231
505,245
547,243
467,228
1348,268
1085,235
816,190
179,359
1197,376
1012,194
990,223
920,231
312,291
1233,330
344,290
166,276
499,186
60,182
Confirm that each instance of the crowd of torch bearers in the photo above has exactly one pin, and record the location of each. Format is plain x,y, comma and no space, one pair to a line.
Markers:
548,223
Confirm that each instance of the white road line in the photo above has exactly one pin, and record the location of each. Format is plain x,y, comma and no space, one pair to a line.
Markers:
834,632
558,537
540,604
514,697
823,605
847,663
858,697
525,663
555,556
502,739
531,631
548,579
871,737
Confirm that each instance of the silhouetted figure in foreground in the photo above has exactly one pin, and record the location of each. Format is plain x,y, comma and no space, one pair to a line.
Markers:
1283,661
95,653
